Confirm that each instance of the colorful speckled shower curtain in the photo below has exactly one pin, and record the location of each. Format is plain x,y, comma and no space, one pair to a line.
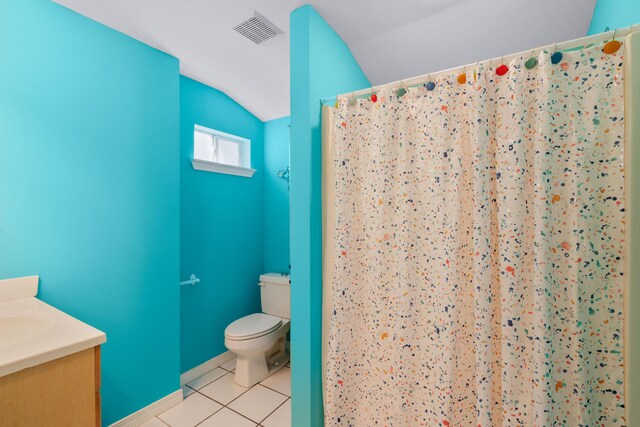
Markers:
475,250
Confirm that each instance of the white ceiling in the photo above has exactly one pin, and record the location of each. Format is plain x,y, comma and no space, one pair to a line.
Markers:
391,39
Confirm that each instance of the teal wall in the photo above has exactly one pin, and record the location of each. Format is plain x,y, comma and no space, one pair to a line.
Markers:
276,196
614,14
89,185
221,226
321,66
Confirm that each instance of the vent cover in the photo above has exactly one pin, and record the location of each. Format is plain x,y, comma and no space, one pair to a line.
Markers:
258,29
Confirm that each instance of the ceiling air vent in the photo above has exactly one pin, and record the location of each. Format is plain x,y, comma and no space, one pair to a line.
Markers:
258,29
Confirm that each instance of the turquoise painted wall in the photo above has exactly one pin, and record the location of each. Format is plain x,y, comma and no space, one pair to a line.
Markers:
276,196
89,186
614,14
221,226
321,65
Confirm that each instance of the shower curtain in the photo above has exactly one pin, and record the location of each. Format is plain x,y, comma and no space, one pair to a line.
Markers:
473,258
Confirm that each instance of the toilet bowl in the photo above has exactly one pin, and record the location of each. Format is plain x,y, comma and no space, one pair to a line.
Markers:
259,339
259,342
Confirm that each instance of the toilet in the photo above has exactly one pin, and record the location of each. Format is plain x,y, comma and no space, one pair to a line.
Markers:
259,339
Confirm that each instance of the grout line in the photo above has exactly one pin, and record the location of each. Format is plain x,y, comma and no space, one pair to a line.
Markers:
243,416
220,403
209,371
238,397
219,378
226,372
273,389
258,424
157,418
265,418
210,415
213,400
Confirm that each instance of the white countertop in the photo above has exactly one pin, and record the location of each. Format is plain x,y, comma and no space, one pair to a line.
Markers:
33,332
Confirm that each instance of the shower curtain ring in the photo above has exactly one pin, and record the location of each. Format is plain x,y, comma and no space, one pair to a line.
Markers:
430,85
612,46
352,99
557,56
462,78
531,62
400,92
502,68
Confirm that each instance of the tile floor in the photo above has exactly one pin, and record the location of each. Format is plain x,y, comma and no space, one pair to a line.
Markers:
214,400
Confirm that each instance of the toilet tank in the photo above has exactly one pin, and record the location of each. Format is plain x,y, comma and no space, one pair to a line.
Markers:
274,294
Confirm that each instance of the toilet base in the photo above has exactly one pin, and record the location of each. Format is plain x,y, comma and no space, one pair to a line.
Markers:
256,362
250,372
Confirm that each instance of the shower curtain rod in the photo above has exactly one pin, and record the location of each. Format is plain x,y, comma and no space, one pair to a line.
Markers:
414,81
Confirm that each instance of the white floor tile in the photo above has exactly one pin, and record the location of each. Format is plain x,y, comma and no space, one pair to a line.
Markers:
154,422
280,418
230,365
190,412
227,418
223,390
257,403
280,381
187,391
210,376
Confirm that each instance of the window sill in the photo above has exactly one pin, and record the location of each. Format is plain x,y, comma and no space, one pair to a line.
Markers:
204,165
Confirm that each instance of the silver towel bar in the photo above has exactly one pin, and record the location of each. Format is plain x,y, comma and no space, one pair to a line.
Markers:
192,281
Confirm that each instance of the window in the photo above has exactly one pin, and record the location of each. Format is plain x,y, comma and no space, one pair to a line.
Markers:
221,152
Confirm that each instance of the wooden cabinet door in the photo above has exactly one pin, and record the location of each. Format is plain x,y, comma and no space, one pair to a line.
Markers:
63,392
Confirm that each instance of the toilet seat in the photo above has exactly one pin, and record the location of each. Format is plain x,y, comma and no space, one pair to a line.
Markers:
252,326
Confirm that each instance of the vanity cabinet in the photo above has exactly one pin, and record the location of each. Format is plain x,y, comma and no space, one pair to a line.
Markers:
63,392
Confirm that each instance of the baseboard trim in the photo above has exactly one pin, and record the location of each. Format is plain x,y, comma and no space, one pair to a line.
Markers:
207,366
150,411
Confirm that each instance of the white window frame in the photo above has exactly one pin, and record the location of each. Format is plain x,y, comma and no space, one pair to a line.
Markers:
210,166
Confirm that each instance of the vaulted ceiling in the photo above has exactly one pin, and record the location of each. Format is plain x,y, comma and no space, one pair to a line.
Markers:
391,39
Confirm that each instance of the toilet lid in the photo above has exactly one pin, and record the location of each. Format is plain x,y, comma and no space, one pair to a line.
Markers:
252,326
